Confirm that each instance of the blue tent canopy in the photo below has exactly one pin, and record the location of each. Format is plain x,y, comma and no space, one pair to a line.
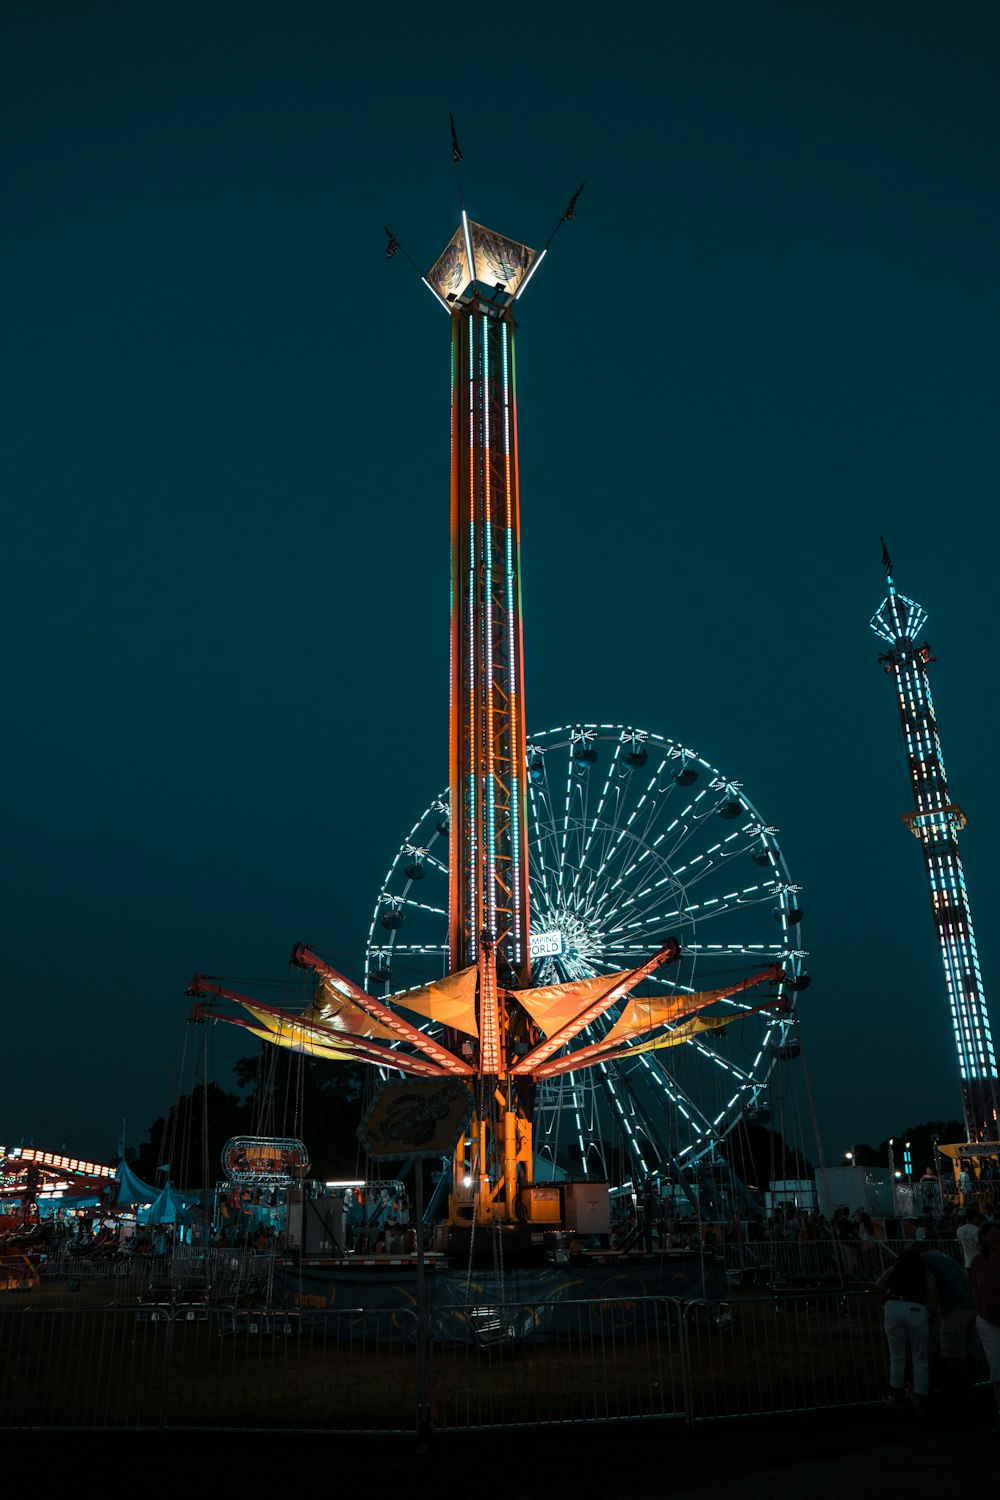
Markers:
132,1189
167,1208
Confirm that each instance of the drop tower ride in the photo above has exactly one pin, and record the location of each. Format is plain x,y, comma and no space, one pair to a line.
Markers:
478,279
936,822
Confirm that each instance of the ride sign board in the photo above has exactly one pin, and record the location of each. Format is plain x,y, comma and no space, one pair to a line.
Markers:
415,1119
546,944
264,1159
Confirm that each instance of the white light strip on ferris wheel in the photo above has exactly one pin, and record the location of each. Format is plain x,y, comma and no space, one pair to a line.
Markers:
596,822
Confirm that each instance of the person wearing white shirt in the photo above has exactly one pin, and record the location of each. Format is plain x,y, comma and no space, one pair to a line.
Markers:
967,1235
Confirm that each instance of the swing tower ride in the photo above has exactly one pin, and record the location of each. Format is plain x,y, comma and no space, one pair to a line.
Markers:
484,1026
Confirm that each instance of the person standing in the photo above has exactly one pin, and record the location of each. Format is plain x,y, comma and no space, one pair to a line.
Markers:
957,1328
985,1278
909,1297
867,1244
967,1235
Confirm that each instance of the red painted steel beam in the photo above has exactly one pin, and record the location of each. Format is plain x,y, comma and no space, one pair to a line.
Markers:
671,950
304,958
362,1049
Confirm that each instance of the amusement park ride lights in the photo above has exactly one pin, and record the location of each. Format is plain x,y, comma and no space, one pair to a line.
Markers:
630,836
936,822
507,1028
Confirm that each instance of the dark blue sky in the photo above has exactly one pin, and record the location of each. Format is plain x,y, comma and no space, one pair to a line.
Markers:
769,336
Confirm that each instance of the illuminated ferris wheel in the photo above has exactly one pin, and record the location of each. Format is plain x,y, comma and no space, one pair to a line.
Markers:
633,838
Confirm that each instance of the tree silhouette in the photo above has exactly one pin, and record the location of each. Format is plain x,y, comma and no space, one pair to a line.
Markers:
281,1095
180,1139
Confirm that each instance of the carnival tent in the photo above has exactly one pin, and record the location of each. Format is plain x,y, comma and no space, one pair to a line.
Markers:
131,1189
168,1207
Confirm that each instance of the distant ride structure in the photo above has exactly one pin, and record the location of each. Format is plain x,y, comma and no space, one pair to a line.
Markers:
936,821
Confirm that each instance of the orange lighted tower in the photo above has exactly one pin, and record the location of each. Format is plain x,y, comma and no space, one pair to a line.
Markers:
478,279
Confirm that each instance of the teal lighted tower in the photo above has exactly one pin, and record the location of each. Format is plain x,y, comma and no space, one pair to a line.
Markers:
936,822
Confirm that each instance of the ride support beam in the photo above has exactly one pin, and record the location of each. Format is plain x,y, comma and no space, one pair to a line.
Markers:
304,958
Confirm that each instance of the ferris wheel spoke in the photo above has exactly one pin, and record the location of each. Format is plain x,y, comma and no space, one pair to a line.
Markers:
626,1114
704,864
720,1062
601,890
596,822
413,905
603,844
660,807
606,830
714,907
664,1082
643,858
681,1099
624,838
544,847
749,950
714,861
577,831
588,900
672,840
653,803
694,911
661,1082
564,838
420,947
635,836
552,836
548,861
630,1109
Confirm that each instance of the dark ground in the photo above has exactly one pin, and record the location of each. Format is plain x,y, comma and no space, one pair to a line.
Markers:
861,1452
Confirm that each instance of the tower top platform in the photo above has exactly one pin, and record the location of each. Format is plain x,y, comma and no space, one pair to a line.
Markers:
898,618
479,261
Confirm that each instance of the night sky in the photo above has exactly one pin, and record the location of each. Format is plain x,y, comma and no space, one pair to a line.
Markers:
769,336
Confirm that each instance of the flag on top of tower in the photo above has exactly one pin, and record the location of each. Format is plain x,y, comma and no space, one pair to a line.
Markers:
456,153
571,211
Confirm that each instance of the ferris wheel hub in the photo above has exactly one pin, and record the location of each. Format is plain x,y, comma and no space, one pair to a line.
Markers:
564,946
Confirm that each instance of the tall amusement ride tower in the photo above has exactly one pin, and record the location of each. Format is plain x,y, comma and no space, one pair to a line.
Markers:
478,278
936,822
488,1026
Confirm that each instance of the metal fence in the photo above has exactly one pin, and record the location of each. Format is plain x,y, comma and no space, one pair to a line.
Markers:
783,1262
787,1353
185,1363
124,1279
